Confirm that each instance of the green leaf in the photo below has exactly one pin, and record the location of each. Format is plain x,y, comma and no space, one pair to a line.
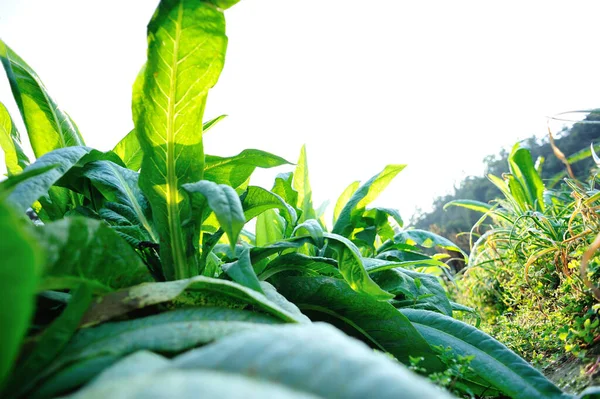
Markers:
241,272
343,199
90,250
492,361
473,205
427,239
330,365
270,228
21,261
10,141
356,205
48,127
523,169
235,171
195,291
52,341
377,323
301,264
224,202
120,186
283,188
257,200
403,282
168,332
186,52
301,184
313,229
6,186
130,151
352,268
30,190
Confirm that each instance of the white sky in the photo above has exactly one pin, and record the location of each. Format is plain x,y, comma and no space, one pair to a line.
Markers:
434,84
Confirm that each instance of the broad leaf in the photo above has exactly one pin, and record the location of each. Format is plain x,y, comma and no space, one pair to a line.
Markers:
48,127
52,341
119,186
377,323
256,200
223,201
195,291
329,364
352,268
168,332
89,249
30,190
241,272
492,361
186,52
130,151
344,198
363,197
10,141
19,271
236,170
270,228
302,265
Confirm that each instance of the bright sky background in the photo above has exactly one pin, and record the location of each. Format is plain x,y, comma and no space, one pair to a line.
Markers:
434,84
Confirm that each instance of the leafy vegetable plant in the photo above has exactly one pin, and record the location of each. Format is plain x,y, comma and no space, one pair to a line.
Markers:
139,274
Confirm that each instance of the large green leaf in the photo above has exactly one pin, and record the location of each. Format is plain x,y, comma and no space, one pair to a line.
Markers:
415,289
352,268
48,127
130,151
51,342
256,200
492,361
302,265
19,272
343,199
168,332
195,291
236,170
119,185
90,250
30,190
362,197
302,186
223,201
10,141
186,52
241,272
270,228
377,323
329,364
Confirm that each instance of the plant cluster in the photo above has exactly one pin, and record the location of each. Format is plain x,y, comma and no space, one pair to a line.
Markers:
525,274
130,272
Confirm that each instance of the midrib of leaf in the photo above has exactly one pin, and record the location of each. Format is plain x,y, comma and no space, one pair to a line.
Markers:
177,245
136,206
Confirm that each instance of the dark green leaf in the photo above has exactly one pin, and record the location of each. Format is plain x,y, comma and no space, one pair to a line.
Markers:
241,272
89,249
377,323
19,273
492,361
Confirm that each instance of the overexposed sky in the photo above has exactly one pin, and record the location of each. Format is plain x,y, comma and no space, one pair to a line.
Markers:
434,84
